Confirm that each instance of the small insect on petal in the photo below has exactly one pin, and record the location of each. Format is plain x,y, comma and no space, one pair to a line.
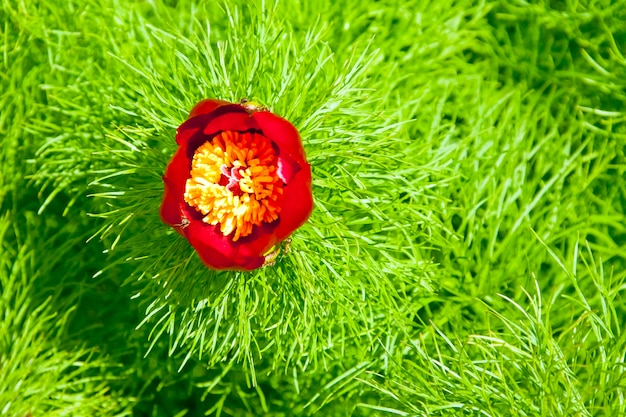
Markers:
252,106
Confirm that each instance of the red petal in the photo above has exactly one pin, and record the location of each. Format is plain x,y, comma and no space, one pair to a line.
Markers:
297,204
254,246
206,106
170,207
218,251
287,168
186,132
196,130
178,171
206,240
282,133
212,258
175,178
232,121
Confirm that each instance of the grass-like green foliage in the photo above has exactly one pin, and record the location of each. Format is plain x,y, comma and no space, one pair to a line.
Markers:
44,371
466,255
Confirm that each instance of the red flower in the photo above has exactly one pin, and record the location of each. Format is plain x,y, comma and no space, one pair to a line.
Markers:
238,184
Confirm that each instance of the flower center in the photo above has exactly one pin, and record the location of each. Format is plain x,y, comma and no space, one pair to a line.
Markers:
234,182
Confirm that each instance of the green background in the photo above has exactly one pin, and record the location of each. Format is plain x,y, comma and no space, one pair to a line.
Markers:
467,251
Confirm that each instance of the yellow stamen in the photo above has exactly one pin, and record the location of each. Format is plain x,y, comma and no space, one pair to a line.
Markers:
248,196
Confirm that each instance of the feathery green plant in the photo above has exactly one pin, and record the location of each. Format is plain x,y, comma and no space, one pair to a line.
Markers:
463,153
282,307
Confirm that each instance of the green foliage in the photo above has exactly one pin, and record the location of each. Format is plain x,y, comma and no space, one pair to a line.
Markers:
45,369
465,255
539,359
282,307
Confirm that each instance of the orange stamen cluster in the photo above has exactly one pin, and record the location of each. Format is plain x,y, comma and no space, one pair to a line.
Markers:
234,182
